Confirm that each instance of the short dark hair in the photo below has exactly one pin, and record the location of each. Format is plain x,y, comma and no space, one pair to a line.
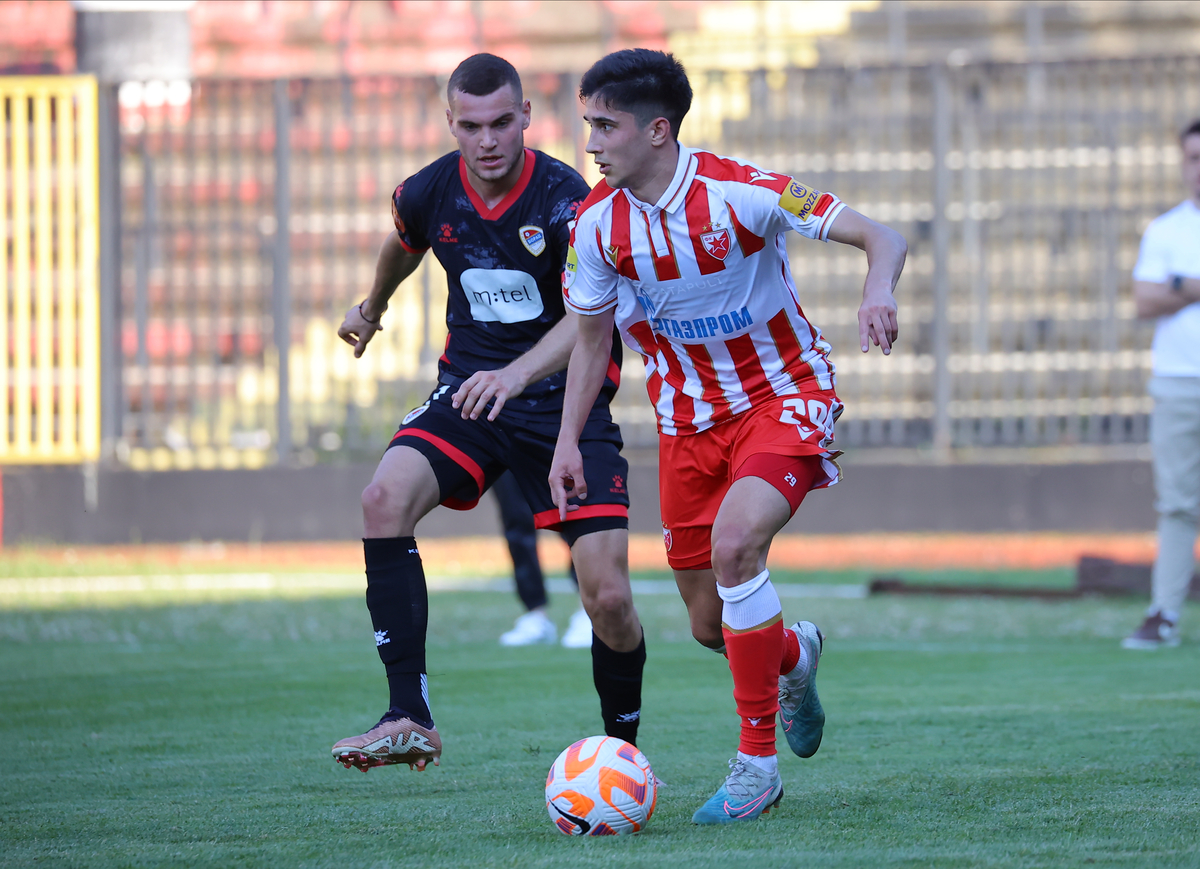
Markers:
648,84
1192,129
483,74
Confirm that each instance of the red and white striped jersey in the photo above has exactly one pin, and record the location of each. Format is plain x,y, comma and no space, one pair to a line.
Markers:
702,287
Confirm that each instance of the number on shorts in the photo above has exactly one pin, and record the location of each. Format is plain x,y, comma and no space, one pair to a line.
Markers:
813,412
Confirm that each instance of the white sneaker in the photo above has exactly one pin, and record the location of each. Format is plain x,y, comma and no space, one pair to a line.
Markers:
531,628
579,632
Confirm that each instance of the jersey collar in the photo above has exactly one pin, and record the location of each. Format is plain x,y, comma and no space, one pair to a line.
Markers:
674,196
512,196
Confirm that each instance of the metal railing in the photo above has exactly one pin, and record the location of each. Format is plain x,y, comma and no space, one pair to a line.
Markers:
1022,189
49,282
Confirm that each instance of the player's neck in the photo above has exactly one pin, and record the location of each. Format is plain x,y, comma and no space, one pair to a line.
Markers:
492,192
659,174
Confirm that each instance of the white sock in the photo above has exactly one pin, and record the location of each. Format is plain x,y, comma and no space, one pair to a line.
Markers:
750,604
768,763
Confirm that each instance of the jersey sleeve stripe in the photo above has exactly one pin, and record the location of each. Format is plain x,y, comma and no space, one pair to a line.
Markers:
830,217
826,200
404,244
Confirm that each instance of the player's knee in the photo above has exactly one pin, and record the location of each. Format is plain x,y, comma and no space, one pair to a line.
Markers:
610,603
374,501
733,554
383,506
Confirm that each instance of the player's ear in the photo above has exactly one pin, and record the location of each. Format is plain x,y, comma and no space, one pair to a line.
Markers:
450,119
526,113
660,132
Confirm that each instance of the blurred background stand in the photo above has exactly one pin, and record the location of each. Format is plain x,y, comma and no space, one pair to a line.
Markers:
246,153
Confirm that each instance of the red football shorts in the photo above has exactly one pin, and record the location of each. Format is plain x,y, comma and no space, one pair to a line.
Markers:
785,441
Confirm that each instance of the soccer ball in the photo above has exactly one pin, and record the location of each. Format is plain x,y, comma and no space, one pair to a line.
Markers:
600,786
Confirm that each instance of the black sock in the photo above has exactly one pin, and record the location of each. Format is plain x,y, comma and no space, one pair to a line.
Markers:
618,678
399,606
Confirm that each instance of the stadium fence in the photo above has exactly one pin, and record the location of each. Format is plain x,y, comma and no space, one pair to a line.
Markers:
250,213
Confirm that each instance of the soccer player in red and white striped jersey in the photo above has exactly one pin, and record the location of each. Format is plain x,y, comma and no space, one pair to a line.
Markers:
685,252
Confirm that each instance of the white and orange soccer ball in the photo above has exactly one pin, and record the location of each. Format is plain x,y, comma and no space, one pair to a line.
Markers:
601,786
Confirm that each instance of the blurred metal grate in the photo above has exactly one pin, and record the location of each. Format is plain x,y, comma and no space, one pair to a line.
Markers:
1036,178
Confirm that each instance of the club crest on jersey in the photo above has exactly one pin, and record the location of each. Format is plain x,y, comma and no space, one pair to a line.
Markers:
534,239
716,243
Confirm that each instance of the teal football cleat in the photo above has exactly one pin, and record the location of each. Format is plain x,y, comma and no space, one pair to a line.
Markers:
800,710
747,793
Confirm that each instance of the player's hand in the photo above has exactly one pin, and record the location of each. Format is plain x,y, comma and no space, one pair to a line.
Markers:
482,386
566,478
877,320
357,331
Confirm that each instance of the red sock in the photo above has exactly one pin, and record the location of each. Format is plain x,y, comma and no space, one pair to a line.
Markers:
791,652
753,657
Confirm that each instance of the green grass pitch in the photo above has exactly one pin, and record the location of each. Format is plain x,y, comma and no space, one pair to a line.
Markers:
961,733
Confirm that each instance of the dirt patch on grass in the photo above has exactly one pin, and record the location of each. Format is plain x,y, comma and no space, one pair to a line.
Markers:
489,556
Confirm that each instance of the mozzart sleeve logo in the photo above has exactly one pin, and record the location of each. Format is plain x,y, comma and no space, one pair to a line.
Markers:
798,199
570,268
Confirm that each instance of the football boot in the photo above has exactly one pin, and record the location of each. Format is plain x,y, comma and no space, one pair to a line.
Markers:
747,793
800,712
392,740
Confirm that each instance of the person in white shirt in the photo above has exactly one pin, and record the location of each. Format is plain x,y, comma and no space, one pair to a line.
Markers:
1166,287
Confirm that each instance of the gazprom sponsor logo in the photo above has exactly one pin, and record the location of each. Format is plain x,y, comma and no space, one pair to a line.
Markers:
704,327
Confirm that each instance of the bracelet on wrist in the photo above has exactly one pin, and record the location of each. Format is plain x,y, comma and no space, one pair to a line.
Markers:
363,314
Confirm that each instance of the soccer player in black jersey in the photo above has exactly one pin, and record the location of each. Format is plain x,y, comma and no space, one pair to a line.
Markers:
497,216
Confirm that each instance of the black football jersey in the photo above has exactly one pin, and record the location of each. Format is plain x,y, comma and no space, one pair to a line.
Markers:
503,264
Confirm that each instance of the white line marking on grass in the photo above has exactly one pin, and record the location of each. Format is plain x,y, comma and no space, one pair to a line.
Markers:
350,582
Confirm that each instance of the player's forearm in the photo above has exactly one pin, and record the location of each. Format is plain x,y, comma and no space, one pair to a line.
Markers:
393,266
886,251
551,354
1163,300
585,373
885,248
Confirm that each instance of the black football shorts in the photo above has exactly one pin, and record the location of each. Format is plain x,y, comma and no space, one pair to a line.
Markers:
468,455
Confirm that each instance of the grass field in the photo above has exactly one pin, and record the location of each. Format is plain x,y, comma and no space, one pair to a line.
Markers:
962,733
